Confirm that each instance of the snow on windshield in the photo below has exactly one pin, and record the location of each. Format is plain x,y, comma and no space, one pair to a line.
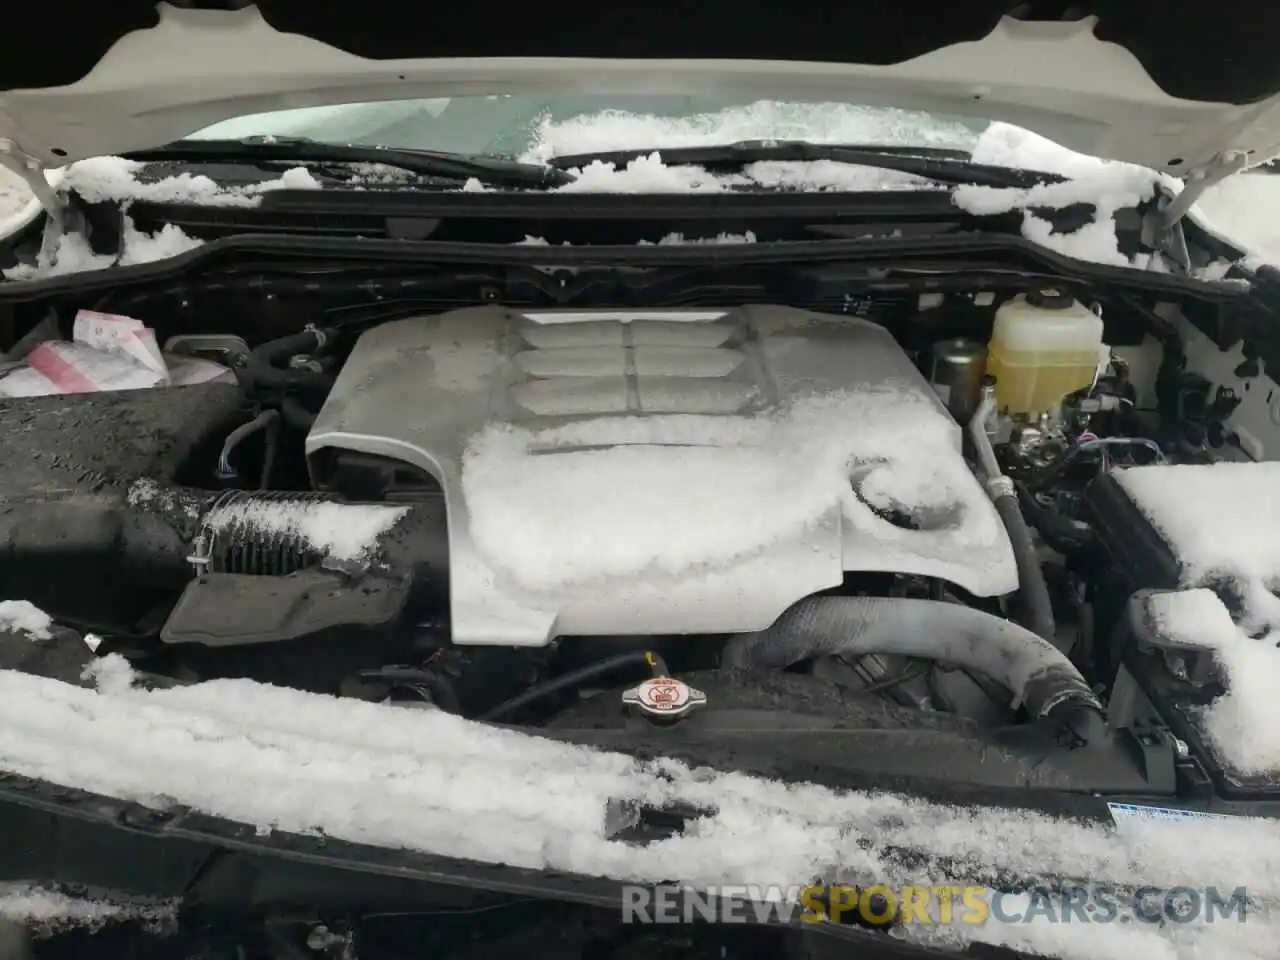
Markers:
766,120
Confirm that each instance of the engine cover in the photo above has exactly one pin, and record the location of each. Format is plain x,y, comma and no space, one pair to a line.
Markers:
660,472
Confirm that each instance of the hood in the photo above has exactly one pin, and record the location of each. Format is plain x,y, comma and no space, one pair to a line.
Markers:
1176,87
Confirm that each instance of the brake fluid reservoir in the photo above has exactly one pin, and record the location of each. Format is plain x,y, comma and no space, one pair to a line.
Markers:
1044,345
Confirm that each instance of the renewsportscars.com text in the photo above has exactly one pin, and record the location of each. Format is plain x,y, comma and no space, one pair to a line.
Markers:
931,904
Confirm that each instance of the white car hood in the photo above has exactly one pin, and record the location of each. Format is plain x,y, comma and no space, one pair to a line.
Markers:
1082,83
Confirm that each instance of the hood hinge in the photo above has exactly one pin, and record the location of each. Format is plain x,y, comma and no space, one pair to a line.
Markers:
63,217
1161,229
1224,165
32,171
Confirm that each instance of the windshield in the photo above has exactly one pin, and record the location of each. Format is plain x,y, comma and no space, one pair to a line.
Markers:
537,128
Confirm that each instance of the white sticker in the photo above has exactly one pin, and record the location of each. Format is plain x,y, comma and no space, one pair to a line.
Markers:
1137,815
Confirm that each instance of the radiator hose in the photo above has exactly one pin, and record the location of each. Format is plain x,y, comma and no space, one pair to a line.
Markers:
1037,672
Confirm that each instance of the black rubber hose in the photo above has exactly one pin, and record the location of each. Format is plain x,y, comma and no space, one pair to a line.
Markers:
1036,613
575,678
264,368
443,695
1059,532
1032,668
269,452
296,415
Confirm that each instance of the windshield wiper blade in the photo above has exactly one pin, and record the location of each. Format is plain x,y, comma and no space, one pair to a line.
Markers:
491,171
931,163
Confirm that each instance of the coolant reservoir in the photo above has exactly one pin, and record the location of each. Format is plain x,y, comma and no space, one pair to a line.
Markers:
1044,345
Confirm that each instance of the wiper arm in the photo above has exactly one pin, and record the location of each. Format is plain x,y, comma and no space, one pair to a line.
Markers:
491,171
930,163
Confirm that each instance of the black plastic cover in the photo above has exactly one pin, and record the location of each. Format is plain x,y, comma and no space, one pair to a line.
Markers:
229,609
1134,544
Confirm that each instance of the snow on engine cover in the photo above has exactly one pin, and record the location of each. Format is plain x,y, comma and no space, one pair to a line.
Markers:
665,472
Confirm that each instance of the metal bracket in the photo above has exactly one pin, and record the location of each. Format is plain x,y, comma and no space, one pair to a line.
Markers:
63,218
1162,231
1224,165
1185,659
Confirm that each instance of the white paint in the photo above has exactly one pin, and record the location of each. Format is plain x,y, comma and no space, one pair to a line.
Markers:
198,67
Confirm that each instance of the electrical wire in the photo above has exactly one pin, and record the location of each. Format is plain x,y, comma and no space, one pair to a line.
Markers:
916,670
576,678
1103,446
1102,443
264,420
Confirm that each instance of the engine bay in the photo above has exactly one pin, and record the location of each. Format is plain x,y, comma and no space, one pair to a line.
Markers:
633,525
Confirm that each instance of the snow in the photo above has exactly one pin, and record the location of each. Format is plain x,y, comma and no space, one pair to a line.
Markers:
1222,940
680,238
1243,210
1006,145
168,241
73,254
295,761
24,617
648,174
339,531
100,179
147,492
552,513
1222,523
1239,209
49,911
1242,722
14,194
17,206
305,763
1221,520
613,130
666,240
1107,185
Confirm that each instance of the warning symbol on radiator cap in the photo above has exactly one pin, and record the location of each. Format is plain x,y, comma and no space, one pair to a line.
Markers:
664,697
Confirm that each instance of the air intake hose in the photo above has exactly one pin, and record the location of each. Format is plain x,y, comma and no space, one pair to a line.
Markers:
1036,671
149,531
